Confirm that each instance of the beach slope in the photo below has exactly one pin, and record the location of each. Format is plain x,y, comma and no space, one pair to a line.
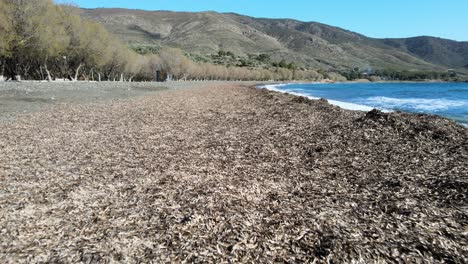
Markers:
228,172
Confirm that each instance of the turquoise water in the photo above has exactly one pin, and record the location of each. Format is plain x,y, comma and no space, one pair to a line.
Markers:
445,99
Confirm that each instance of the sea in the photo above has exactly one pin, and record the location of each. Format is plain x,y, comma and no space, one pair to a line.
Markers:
445,99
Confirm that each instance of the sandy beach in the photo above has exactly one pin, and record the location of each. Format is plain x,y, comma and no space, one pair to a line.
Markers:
225,172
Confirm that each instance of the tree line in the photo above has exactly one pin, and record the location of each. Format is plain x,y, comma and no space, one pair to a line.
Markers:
399,75
41,40
389,74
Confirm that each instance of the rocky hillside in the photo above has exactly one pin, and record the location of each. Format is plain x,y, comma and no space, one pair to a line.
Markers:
307,43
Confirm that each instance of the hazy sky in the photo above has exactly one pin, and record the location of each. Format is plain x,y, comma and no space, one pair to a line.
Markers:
375,18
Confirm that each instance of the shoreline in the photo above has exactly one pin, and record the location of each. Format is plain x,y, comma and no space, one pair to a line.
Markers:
347,105
231,172
344,105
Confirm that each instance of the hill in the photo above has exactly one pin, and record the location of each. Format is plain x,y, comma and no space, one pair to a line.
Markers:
306,43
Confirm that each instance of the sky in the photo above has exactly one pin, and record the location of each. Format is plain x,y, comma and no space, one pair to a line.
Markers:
374,18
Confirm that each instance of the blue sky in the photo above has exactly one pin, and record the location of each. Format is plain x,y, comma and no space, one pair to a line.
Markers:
375,18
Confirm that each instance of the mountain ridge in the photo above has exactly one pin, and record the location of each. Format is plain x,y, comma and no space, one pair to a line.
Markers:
311,44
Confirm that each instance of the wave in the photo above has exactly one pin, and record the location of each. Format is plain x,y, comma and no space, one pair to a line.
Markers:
455,109
344,105
417,104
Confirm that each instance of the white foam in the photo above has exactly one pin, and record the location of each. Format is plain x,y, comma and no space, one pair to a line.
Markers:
274,87
344,105
415,103
352,106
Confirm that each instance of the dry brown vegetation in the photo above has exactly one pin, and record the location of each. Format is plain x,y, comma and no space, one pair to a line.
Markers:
228,173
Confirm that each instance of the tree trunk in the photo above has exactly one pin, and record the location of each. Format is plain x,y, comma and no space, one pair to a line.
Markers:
49,77
2,73
77,72
26,70
41,72
99,77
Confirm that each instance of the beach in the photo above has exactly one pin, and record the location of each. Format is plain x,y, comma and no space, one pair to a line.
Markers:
227,172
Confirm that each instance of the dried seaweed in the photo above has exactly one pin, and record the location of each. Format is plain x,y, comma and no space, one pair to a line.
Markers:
231,174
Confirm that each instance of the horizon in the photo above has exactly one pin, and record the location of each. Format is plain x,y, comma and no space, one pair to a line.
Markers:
435,19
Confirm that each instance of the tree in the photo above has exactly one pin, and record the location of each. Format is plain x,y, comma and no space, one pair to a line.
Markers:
175,62
264,58
5,33
35,36
20,34
50,38
4,27
90,46
39,36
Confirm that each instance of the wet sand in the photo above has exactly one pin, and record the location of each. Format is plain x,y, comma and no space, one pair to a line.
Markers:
225,172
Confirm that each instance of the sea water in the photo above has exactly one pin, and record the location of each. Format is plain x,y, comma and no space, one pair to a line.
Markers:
445,99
